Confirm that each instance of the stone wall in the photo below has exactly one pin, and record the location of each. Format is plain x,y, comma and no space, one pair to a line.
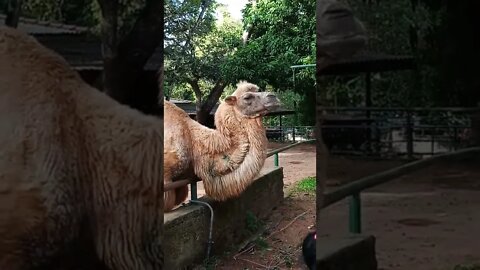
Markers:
186,229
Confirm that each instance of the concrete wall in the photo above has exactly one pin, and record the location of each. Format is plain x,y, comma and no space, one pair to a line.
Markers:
352,252
186,229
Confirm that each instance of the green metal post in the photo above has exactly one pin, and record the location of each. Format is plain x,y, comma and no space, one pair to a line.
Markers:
193,191
275,160
355,214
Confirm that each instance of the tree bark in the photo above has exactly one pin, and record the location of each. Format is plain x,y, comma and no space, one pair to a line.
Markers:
13,10
205,105
124,59
214,96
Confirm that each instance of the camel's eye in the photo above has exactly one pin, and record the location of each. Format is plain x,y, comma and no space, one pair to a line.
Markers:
248,97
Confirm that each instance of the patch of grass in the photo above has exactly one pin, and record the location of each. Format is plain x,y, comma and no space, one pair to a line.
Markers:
253,223
467,267
306,185
261,243
288,261
210,263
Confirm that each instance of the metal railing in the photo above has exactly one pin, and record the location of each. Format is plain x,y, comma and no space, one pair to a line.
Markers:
193,182
400,131
354,189
290,133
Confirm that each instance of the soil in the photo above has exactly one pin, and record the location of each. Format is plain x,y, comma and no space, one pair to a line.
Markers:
282,238
427,220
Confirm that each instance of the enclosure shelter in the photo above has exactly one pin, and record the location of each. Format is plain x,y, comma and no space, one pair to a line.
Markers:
83,51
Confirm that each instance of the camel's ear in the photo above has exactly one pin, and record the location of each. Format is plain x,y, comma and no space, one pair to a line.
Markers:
231,100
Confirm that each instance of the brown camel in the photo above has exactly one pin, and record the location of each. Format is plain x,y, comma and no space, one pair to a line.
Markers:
79,172
227,158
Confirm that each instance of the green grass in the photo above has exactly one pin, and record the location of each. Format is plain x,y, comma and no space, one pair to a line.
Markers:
306,185
253,224
467,267
262,243
210,263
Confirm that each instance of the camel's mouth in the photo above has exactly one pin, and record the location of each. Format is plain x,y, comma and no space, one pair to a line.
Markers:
272,106
266,109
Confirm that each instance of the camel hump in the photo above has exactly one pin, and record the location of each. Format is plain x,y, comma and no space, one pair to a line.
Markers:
172,111
30,56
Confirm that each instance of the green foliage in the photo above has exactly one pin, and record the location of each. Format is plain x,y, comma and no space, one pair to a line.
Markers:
187,24
253,224
82,12
388,25
307,185
77,12
261,243
440,36
210,263
467,267
282,34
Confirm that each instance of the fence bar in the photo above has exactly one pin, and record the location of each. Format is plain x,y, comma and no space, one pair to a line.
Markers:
411,109
281,149
275,160
355,214
177,184
193,191
385,176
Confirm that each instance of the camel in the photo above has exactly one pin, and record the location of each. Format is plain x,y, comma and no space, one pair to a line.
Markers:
227,158
79,172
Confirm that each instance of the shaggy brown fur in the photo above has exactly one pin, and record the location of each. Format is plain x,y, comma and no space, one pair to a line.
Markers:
76,168
227,159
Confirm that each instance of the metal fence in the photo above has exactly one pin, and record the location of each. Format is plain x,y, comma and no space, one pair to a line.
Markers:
290,134
396,131
354,188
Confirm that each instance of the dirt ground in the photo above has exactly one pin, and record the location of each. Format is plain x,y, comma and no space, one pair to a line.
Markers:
428,220
280,247
281,241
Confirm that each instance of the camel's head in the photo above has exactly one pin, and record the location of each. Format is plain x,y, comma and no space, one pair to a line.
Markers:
251,103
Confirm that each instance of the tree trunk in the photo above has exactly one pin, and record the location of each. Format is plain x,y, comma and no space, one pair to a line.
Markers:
203,117
124,59
13,10
205,106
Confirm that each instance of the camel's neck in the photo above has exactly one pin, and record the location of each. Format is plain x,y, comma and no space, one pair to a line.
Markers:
228,172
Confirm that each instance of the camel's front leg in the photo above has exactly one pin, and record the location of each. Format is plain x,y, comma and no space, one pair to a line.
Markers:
169,197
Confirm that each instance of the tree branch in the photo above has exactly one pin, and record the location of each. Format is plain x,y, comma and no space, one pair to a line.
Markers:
196,90
214,96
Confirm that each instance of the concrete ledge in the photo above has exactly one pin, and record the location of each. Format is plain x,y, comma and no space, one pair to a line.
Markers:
355,252
186,229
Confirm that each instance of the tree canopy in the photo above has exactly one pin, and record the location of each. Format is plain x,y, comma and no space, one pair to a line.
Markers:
206,52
